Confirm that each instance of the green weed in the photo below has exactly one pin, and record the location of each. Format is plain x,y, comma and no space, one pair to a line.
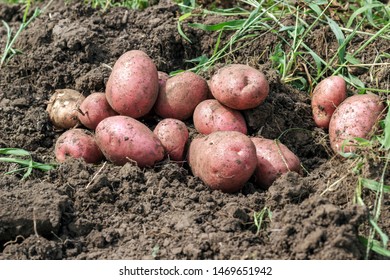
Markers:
259,218
23,158
130,4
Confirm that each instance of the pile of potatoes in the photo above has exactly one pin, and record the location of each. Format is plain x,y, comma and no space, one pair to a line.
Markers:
346,118
223,155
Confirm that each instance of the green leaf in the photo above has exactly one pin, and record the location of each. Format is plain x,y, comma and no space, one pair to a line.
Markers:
385,140
228,25
14,152
375,246
383,236
360,11
374,185
352,60
340,38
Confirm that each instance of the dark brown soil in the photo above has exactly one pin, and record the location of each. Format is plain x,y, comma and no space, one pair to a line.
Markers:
164,212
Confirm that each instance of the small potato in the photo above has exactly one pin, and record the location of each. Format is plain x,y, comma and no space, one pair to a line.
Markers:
327,95
124,139
180,95
210,115
77,143
356,117
273,160
63,108
173,135
224,160
132,87
239,86
94,109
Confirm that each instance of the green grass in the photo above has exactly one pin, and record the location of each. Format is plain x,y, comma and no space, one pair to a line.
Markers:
293,51
105,4
24,159
9,50
260,217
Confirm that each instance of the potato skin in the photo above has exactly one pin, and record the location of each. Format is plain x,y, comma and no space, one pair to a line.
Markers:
327,95
123,139
210,115
223,160
355,117
239,86
63,108
77,143
273,160
173,135
94,109
132,87
180,95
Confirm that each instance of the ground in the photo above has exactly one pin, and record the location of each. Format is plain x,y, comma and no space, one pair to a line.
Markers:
85,211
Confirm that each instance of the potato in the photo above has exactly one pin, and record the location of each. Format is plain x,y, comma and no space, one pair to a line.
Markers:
327,95
63,108
77,143
239,86
210,115
173,135
273,160
132,87
94,109
180,95
124,139
356,116
223,160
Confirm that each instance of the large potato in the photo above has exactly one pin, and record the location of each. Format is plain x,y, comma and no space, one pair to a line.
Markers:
63,108
224,160
327,95
173,135
273,160
132,87
210,115
77,143
124,139
355,117
180,95
94,109
239,86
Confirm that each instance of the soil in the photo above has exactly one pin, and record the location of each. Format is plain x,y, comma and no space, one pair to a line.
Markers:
86,211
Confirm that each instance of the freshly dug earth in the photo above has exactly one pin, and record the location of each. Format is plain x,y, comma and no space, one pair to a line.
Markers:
85,211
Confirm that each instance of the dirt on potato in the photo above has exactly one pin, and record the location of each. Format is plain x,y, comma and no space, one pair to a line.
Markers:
103,211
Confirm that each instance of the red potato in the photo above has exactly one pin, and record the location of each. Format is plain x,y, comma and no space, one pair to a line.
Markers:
124,139
273,160
356,117
180,95
327,95
77,143
173,135
132,87
210,115
94,109
63,108
223,160
239,86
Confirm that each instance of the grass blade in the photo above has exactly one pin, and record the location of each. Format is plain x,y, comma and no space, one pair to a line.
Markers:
375,246
14,152
385,140
374,185
340,38
361,11
228,25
